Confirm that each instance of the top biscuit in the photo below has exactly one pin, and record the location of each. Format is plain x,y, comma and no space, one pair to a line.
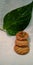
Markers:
22,35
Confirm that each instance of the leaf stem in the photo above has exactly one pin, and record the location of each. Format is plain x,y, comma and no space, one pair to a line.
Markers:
2,30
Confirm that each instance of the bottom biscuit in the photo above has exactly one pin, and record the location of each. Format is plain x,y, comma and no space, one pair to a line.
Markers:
21,50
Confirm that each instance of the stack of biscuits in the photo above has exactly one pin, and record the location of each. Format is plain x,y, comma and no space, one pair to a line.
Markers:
21,43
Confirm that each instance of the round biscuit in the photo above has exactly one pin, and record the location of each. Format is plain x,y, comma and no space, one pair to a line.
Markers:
21,43
20,50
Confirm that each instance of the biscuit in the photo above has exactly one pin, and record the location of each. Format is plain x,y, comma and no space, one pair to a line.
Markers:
22,43
21,50
22,35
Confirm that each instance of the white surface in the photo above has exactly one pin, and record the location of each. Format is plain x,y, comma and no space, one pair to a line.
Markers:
7,54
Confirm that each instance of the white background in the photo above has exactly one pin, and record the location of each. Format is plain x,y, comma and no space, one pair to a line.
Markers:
7,54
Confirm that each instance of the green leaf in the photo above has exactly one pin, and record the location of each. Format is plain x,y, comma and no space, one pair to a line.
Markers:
17,19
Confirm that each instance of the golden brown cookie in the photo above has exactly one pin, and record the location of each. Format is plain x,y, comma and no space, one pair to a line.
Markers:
21,50
22,35
22,43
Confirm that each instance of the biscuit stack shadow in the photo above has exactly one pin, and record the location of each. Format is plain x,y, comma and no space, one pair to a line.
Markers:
21,43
